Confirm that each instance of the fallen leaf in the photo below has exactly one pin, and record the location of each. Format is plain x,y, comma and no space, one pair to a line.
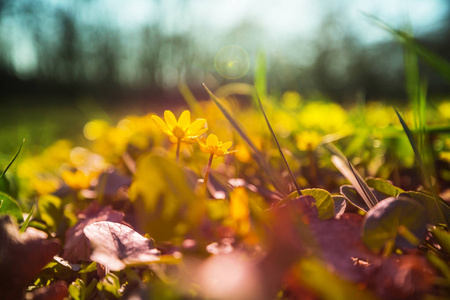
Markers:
116,245
77,246
297,232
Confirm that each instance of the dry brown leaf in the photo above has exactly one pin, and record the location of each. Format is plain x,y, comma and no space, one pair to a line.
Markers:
116,245
77,246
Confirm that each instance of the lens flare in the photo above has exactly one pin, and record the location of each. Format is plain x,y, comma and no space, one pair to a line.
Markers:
232,62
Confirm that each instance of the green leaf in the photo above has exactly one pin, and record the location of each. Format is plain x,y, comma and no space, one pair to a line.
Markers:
164,200
9,206
111,285
58,268
384,186
89,268
27,221
442,237
434,216
4,185
77,290
51,210
324,202
397,221
439,264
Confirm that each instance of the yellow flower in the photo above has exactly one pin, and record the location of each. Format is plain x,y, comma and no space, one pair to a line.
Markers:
308,140
77,180
212,145
181,130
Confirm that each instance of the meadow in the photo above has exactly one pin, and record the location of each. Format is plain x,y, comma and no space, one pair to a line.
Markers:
244,195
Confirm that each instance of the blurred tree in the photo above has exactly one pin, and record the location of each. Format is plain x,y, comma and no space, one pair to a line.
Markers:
69,51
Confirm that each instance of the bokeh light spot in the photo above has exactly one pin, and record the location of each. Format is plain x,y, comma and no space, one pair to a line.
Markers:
232,62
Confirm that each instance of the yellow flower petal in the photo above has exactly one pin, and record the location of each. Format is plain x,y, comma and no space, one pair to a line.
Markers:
212,140
200,132
173,139
195,127
170,119
185,120
203,147
225,146
161,125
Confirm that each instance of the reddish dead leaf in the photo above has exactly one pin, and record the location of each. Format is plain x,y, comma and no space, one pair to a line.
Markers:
297,232
21,258
77,247
116,245
402,277
58,290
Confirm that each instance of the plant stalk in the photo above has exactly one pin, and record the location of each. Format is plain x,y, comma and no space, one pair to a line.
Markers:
178,150
208,168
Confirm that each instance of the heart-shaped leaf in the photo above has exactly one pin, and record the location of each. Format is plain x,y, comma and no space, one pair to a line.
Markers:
324,202
384,186
434,215
354,198
117,245
395,221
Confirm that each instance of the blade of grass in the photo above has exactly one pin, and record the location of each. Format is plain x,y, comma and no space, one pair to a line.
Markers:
259,157
425,173
424,147
274,136
27,221
363,185
190,98
233,120
348,170
260,77
260,86
435,61
13,159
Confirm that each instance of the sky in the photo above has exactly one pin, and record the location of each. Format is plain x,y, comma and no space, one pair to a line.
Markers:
282,18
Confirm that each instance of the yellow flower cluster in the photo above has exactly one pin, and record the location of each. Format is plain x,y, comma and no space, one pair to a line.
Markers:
185,131
181,130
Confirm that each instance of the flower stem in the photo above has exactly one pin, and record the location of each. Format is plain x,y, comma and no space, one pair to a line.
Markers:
178,150
208,168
